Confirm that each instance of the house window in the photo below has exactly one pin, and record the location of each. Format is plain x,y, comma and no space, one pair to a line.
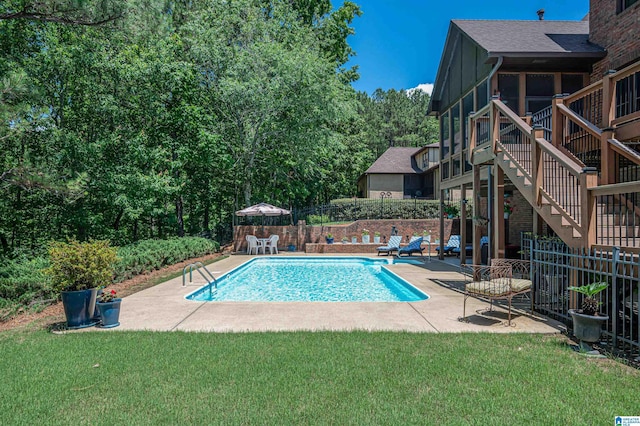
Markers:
445,170
456,166
539,92
446,135
467,108
483,94
571,83
509,88
412,186
625,4
457,130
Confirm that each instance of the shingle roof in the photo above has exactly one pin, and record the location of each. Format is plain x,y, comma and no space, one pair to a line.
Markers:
531,37
397,160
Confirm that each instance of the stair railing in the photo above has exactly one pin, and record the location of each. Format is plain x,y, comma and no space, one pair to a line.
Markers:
554,177
612,104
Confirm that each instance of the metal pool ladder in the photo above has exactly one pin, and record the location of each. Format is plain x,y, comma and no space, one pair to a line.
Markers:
198,267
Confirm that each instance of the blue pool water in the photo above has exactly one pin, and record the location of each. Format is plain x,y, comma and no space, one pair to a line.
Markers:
311,279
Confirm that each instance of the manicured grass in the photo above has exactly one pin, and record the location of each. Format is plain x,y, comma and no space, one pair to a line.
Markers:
306,378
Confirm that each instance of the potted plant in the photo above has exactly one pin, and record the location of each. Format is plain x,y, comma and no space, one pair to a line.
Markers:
587,322
109,307
345,240
354,239
329,238
451,211
508,208
365,236
376,237
77,270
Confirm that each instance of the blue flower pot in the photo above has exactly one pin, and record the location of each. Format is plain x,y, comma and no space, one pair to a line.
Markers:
96,311
329,240
110,313
79,307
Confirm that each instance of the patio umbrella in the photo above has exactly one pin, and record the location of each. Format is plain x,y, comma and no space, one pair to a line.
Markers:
263,209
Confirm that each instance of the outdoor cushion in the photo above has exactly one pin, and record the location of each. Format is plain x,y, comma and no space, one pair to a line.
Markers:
392,245
413,247
520,284
498,287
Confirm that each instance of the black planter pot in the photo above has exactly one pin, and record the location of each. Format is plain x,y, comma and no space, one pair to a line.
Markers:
79,307
587,328
329,240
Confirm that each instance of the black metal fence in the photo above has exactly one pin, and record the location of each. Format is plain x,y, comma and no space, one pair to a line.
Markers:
368,208
556,267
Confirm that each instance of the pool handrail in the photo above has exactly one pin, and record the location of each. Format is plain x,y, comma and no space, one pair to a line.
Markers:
198,266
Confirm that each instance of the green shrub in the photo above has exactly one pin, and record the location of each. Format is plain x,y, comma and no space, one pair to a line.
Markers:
80,266
149,255
317,219
23,283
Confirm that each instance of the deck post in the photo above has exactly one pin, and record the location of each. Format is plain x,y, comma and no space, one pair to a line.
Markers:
463,224
607,160
477,250
498,214
558,120
608,98
588,179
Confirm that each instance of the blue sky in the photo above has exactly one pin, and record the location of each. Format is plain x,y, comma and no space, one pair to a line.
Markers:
399,42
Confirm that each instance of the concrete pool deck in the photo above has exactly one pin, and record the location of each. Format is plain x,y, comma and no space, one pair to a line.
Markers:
164,308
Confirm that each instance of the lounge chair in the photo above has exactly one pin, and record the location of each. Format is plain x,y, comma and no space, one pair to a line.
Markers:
413,247
469,247
454,242
392,245
271,244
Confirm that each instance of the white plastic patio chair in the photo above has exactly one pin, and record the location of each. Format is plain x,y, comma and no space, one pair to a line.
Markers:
271,244
252,244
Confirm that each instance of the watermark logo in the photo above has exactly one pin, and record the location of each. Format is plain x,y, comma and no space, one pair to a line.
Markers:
627,421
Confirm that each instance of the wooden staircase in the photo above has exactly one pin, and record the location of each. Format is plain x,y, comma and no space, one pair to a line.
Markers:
555,215
585,206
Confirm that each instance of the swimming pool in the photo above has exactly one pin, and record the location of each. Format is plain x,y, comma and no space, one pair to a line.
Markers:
311,279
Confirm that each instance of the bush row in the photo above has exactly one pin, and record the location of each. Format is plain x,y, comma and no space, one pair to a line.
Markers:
23,283
149,255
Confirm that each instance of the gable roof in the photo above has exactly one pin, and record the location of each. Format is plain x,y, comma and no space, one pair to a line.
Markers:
516,45
396,160
529,38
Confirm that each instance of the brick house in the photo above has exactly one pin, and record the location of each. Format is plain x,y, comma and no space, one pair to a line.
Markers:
508,133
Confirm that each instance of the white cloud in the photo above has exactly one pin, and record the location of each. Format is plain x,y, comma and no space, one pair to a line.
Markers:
425,87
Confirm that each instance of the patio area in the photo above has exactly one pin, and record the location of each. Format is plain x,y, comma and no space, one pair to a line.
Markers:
164,308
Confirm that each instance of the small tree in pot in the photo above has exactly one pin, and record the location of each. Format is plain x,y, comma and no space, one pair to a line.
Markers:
77,270
587,322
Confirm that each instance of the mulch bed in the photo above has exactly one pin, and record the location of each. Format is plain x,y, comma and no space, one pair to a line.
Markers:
54,314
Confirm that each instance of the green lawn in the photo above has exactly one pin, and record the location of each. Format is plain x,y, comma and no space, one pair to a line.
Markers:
306,378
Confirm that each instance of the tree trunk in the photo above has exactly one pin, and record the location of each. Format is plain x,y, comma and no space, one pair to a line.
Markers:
247,192
205,220
179,216
116,223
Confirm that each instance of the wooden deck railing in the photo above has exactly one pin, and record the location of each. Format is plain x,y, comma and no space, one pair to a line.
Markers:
578,140
555,178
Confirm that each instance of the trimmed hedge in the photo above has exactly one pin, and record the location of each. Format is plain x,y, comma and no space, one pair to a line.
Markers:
149,255
23,284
